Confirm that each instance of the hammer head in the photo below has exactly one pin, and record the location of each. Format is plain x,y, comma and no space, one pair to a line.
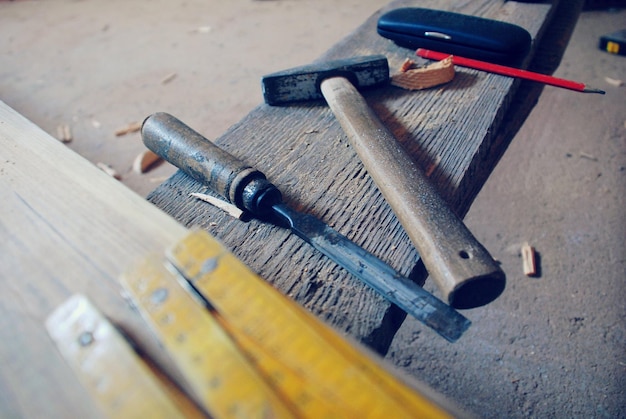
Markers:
303,83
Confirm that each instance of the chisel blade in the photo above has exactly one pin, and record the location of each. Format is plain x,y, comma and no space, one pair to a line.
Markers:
393,286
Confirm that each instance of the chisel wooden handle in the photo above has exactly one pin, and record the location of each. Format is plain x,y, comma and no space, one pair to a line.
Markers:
195,155
462,268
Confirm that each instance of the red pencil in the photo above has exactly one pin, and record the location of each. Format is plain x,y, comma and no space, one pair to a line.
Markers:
508,71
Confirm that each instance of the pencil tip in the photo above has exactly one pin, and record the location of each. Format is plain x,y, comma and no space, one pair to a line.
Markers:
590,90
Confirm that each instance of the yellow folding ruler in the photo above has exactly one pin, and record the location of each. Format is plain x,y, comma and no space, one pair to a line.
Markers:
112,372
245,350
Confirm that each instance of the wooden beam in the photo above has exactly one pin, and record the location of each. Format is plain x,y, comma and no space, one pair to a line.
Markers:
448,131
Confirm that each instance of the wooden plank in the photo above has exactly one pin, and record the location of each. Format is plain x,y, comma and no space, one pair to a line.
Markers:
66,228
303,151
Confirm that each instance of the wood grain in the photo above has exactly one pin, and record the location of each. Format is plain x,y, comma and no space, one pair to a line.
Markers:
304,152
66,228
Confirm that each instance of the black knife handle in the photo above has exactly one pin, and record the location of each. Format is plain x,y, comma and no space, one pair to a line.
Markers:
198,157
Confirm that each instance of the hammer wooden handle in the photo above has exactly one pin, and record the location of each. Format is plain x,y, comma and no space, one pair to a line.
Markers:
463,269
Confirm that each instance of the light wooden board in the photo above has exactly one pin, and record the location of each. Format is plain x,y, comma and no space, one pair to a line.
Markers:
304,152
66,228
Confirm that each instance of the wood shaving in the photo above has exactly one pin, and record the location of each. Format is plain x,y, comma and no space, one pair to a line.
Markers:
227,207
64,133
529,260
168,78
158,179
431,167
587,156
145,161
109,170
407,65
432,75
202,29
132,127
614,82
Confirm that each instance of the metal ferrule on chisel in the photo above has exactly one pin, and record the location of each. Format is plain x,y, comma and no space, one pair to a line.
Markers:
249,189
240,184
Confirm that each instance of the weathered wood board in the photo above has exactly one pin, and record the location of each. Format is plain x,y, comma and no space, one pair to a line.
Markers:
304,152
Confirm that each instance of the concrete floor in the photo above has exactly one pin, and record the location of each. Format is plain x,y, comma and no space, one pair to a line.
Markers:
551,346
99,65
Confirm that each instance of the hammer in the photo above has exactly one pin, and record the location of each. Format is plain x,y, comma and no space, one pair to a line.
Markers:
464,271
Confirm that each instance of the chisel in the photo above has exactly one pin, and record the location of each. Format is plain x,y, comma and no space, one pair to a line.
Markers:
250,190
